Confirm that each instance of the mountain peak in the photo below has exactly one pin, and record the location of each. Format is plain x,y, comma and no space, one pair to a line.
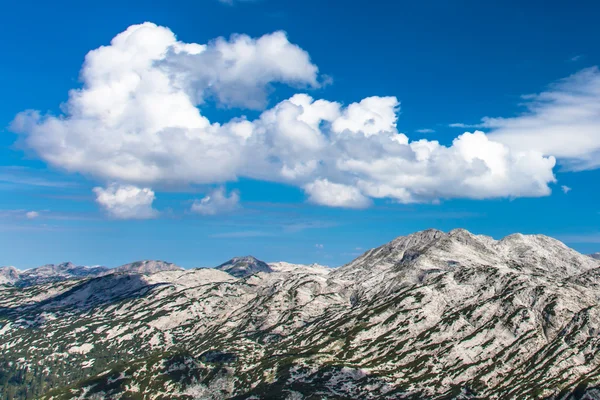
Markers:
431,250
246,259
241,267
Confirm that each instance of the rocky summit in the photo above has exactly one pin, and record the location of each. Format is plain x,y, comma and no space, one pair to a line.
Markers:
244,266
428,315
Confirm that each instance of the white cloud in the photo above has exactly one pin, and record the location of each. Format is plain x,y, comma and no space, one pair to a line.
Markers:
32,214
331,194
217,202
138,120
563,121
425,130
371,116
319,246
565,189
239,71
140,94
126,201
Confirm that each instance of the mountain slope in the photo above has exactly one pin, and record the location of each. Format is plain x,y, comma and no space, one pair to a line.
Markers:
429,315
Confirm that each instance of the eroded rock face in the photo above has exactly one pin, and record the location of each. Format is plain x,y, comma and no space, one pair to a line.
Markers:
427,315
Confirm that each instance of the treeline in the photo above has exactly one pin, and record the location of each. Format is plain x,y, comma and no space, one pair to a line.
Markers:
23,382
18,381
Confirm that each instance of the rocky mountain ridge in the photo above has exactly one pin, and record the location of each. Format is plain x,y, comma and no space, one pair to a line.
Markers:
68,271
238,267
428,315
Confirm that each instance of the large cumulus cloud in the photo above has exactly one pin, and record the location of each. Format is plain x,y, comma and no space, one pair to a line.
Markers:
137,120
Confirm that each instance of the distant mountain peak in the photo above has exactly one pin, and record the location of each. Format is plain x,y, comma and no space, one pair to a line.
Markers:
244,266
595,255
147,267
55,272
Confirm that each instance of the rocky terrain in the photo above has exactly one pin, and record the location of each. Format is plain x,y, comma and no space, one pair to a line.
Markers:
429,315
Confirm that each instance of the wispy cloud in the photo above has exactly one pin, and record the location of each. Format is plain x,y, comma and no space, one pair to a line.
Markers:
565,189
23,176
70,197
19,221
576,58
425,130
461,125
302,226
23,214
563,122
14,214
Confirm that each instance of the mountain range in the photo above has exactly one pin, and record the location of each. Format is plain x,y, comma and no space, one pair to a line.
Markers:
66,271
428,315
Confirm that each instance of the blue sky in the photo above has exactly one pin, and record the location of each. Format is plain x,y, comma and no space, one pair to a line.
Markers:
184,200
